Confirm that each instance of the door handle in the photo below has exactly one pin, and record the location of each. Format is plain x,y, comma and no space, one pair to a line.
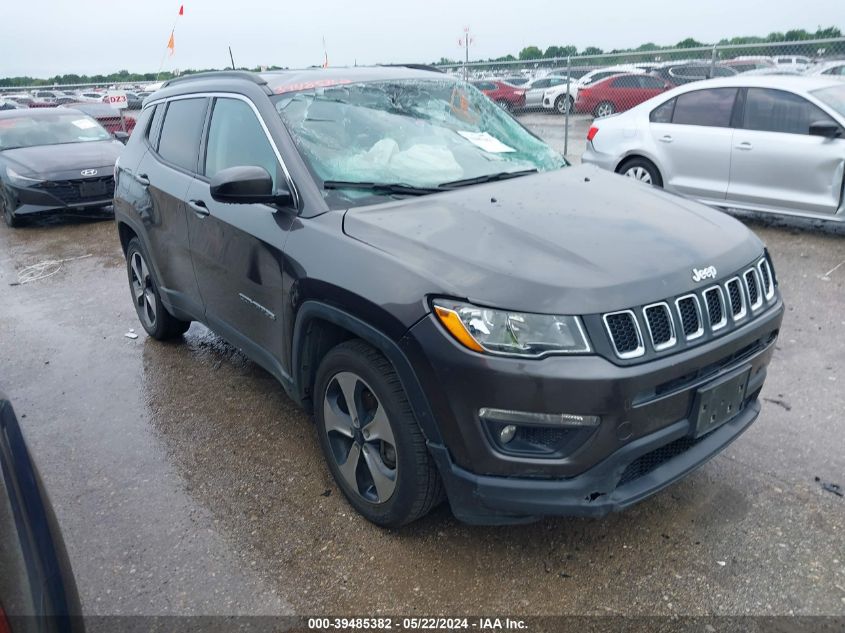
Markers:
142,179
744,146
666,138
199,208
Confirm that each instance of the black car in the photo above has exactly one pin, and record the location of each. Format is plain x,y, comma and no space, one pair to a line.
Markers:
680,73
462,311
54,159
37,588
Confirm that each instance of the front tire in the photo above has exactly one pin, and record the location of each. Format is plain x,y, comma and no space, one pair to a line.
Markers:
372,443
605,108
9,216
563,104
154,317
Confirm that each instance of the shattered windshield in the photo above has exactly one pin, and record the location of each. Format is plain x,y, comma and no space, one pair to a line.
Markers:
422,134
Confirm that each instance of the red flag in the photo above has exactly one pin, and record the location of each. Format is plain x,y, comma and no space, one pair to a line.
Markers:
182,9
171,44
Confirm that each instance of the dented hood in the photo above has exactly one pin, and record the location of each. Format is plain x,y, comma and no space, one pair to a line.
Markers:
572,241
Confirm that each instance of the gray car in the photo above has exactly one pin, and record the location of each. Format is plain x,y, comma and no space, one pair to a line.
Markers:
770,143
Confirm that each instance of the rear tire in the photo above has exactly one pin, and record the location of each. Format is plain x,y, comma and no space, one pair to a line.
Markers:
506,106
393,479
641,169
605,108
154,317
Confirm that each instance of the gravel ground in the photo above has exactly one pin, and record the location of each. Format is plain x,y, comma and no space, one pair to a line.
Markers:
187,483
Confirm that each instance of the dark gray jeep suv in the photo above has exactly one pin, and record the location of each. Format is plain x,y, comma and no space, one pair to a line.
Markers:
466,315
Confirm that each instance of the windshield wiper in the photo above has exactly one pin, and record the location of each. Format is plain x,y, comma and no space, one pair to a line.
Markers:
382,187
505,175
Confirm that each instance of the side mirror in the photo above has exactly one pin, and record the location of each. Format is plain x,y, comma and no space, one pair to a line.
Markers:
827,129
247,185
121,136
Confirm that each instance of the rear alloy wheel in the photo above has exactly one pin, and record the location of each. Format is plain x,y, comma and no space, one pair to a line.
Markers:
373,445
605,108
154,317
641,170
563,104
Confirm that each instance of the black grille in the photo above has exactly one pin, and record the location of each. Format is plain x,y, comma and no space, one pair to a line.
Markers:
650,461
623,331
735,294
714,306
767,280
659,324
689,315
545,435
71,191
751,282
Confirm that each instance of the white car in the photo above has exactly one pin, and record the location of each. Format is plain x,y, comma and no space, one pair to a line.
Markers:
535,90
768,143
603,73
834,68
793,61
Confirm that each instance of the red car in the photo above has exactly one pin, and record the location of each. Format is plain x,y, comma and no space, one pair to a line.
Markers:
106,116
618,93
502,93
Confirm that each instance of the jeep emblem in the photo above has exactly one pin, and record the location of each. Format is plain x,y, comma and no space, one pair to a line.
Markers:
699,274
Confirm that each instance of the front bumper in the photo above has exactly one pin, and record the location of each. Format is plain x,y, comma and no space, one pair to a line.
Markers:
643,407
63,195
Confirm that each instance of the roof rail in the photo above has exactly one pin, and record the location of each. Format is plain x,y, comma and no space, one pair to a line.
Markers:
414,67
219,74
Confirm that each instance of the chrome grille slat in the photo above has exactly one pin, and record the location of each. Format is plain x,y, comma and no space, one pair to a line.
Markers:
717,313
766,276
752,286
660,326
621,326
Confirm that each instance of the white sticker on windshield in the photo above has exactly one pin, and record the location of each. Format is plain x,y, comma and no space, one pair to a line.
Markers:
486,142
84,124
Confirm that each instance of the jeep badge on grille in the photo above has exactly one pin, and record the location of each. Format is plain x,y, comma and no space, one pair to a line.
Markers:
703,273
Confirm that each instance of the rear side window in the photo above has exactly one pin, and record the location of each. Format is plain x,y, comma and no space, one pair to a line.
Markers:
236,138
663,112
181,131
628,81
778,111
652,83
711,108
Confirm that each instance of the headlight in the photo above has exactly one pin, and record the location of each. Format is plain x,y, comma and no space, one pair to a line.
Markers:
517,333
22,181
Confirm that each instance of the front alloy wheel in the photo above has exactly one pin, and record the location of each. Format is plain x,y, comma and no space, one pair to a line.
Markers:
360,437
563,104
604,109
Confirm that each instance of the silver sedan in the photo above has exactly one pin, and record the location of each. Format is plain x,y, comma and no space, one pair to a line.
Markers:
774,144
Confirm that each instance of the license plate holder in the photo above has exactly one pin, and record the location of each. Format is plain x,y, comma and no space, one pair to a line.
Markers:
719,401
92,189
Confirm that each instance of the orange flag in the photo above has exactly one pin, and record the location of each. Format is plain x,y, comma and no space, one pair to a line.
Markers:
171,44
182,9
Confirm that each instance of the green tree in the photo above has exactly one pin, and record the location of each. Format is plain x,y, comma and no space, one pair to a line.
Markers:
530,52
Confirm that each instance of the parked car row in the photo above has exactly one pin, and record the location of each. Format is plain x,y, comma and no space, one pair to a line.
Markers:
50,98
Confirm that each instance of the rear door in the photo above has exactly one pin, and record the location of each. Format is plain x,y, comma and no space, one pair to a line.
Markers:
776,163
237,248
534,96
165,173
693,142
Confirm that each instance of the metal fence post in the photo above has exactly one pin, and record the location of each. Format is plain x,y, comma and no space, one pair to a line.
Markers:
713,58
568,106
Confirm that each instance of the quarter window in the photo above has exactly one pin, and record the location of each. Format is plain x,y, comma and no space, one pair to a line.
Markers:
236,139
663,112
779,111
711,108
181,132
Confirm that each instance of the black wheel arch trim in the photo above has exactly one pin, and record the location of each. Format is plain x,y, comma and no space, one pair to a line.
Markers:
312,309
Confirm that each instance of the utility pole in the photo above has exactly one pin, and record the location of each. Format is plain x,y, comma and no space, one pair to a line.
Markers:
465,41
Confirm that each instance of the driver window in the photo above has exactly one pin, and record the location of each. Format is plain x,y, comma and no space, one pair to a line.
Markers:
236,138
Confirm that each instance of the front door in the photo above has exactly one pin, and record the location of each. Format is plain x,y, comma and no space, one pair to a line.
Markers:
776,164
237,249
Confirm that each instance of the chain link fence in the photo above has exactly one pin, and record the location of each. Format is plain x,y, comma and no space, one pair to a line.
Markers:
576,89
579,88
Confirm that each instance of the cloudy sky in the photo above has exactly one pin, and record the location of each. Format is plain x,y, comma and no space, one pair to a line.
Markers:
47,37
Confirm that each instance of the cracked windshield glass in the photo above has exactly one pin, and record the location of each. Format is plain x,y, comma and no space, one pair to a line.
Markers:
408,137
